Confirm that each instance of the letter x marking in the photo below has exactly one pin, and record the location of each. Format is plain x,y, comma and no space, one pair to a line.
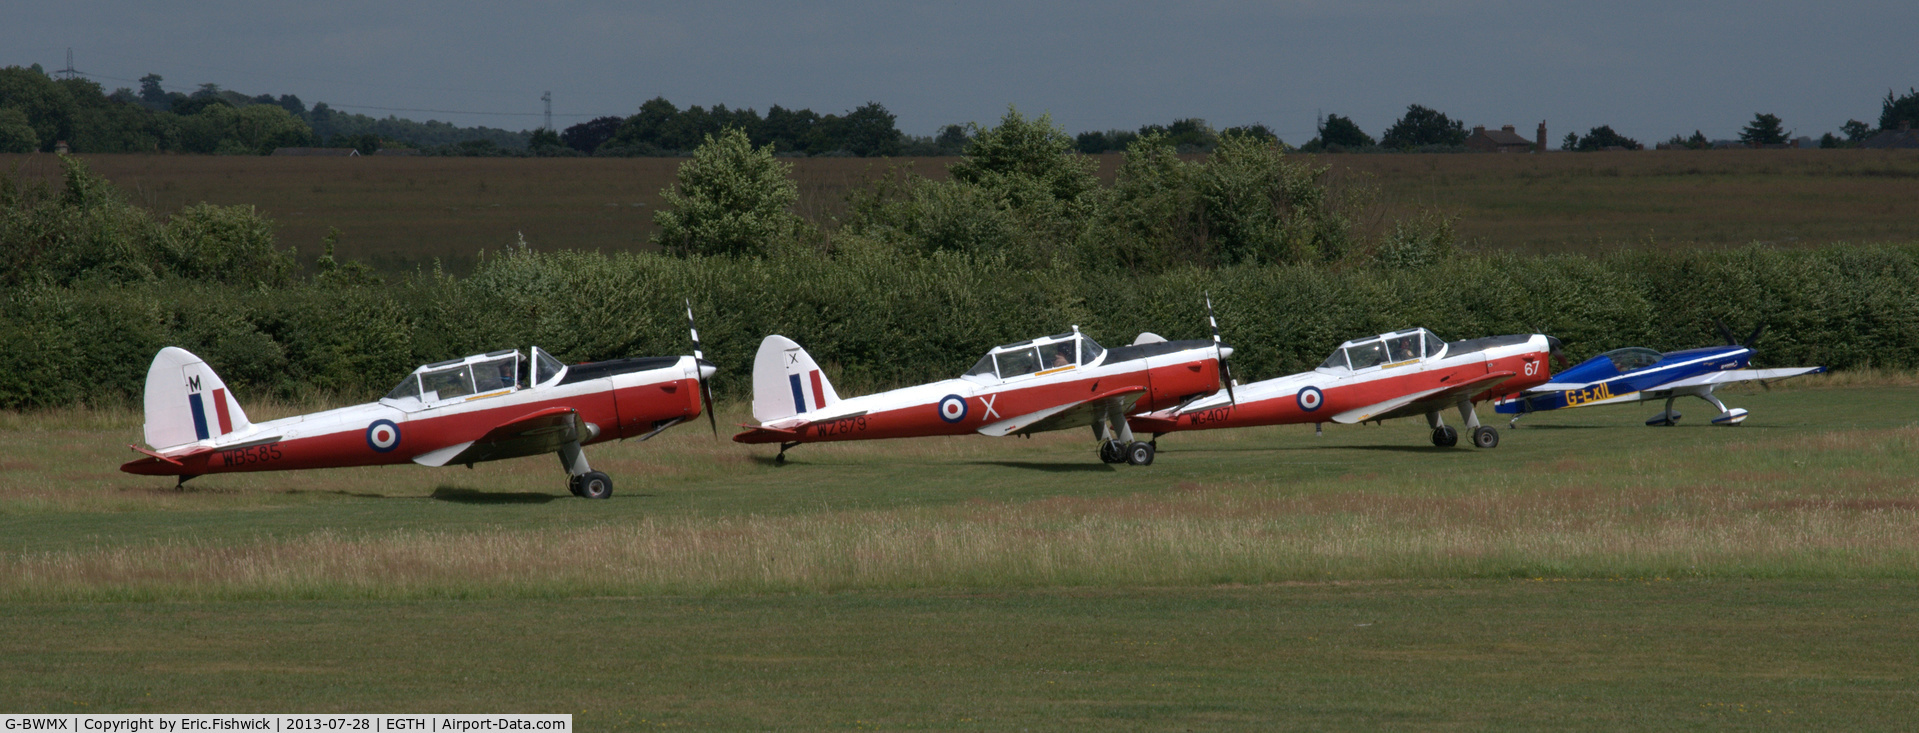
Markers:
988,403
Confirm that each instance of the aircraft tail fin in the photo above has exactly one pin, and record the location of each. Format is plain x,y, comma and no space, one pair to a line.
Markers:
786,381
187,403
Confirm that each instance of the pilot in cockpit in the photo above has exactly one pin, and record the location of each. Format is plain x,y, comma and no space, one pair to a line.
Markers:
1405,347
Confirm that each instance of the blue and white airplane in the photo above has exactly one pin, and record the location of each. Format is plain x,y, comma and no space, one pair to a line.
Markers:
1639,375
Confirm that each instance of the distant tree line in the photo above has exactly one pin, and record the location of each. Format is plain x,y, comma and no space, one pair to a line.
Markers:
1190,135
37,112
662,128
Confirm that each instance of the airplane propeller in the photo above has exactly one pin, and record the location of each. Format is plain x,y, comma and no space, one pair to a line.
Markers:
1555,354
1748,344
1225,367
699,362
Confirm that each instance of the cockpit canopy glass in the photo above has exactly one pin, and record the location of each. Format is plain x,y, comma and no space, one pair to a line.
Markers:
1393,348
478,374
1628,359
1037,355
1366,354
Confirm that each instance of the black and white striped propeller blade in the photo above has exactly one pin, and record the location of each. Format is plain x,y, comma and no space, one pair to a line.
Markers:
1225,367
699,366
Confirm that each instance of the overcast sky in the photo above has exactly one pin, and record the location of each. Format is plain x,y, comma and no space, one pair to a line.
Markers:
1649,69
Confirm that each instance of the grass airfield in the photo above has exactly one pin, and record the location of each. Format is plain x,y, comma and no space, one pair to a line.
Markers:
1589,572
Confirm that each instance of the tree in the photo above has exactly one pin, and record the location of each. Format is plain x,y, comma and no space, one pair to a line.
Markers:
1341,131
1259,207
16,134
1571,142
866,131
788,130
1189,135
644,129
730,199
952,138
1421,127
543,138
1855,131
1903,109
151,94
1601,138
47,106
589,135
1023,156
1256,131
1765,129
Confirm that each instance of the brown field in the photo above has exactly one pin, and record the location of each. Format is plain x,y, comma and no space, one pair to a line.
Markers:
402,212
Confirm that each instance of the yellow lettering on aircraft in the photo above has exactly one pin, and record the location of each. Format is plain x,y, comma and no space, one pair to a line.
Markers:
1595,393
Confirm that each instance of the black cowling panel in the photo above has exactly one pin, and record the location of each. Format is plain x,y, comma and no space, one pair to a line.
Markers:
1141,351
602,369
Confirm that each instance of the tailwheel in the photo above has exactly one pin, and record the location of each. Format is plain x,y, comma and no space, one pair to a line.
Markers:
1485,436
1445,436
1140,454
1112,451
594,485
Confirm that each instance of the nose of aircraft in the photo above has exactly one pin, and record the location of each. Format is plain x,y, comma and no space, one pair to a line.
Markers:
1225,352
707,369
1553,345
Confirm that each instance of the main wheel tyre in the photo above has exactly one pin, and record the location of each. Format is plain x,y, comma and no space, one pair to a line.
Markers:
595,485
1140,454
1112,452
1486,437
1445,436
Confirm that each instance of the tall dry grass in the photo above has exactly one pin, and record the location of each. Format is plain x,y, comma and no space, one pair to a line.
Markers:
1642,516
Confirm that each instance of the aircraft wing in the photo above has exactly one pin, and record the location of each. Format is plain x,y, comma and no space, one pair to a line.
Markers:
1420,403
1734,375
1557,387
542,431
1069,415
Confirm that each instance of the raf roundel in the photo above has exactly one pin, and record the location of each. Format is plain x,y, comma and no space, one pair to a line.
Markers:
383,436
1310,398
952,408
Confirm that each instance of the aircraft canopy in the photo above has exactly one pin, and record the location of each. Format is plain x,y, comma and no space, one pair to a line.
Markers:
1632,357
479,374
1393,348
1040,355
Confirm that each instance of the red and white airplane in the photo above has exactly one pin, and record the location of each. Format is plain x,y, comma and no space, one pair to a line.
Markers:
1052,383
486,407
1399,374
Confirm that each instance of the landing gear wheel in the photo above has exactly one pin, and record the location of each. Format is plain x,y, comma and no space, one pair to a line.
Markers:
1445,436
1486,437
595,485
1112,451
573,485
780,460
1140,454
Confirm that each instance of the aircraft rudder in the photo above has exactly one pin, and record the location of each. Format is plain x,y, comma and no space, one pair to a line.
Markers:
186,402
787,382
